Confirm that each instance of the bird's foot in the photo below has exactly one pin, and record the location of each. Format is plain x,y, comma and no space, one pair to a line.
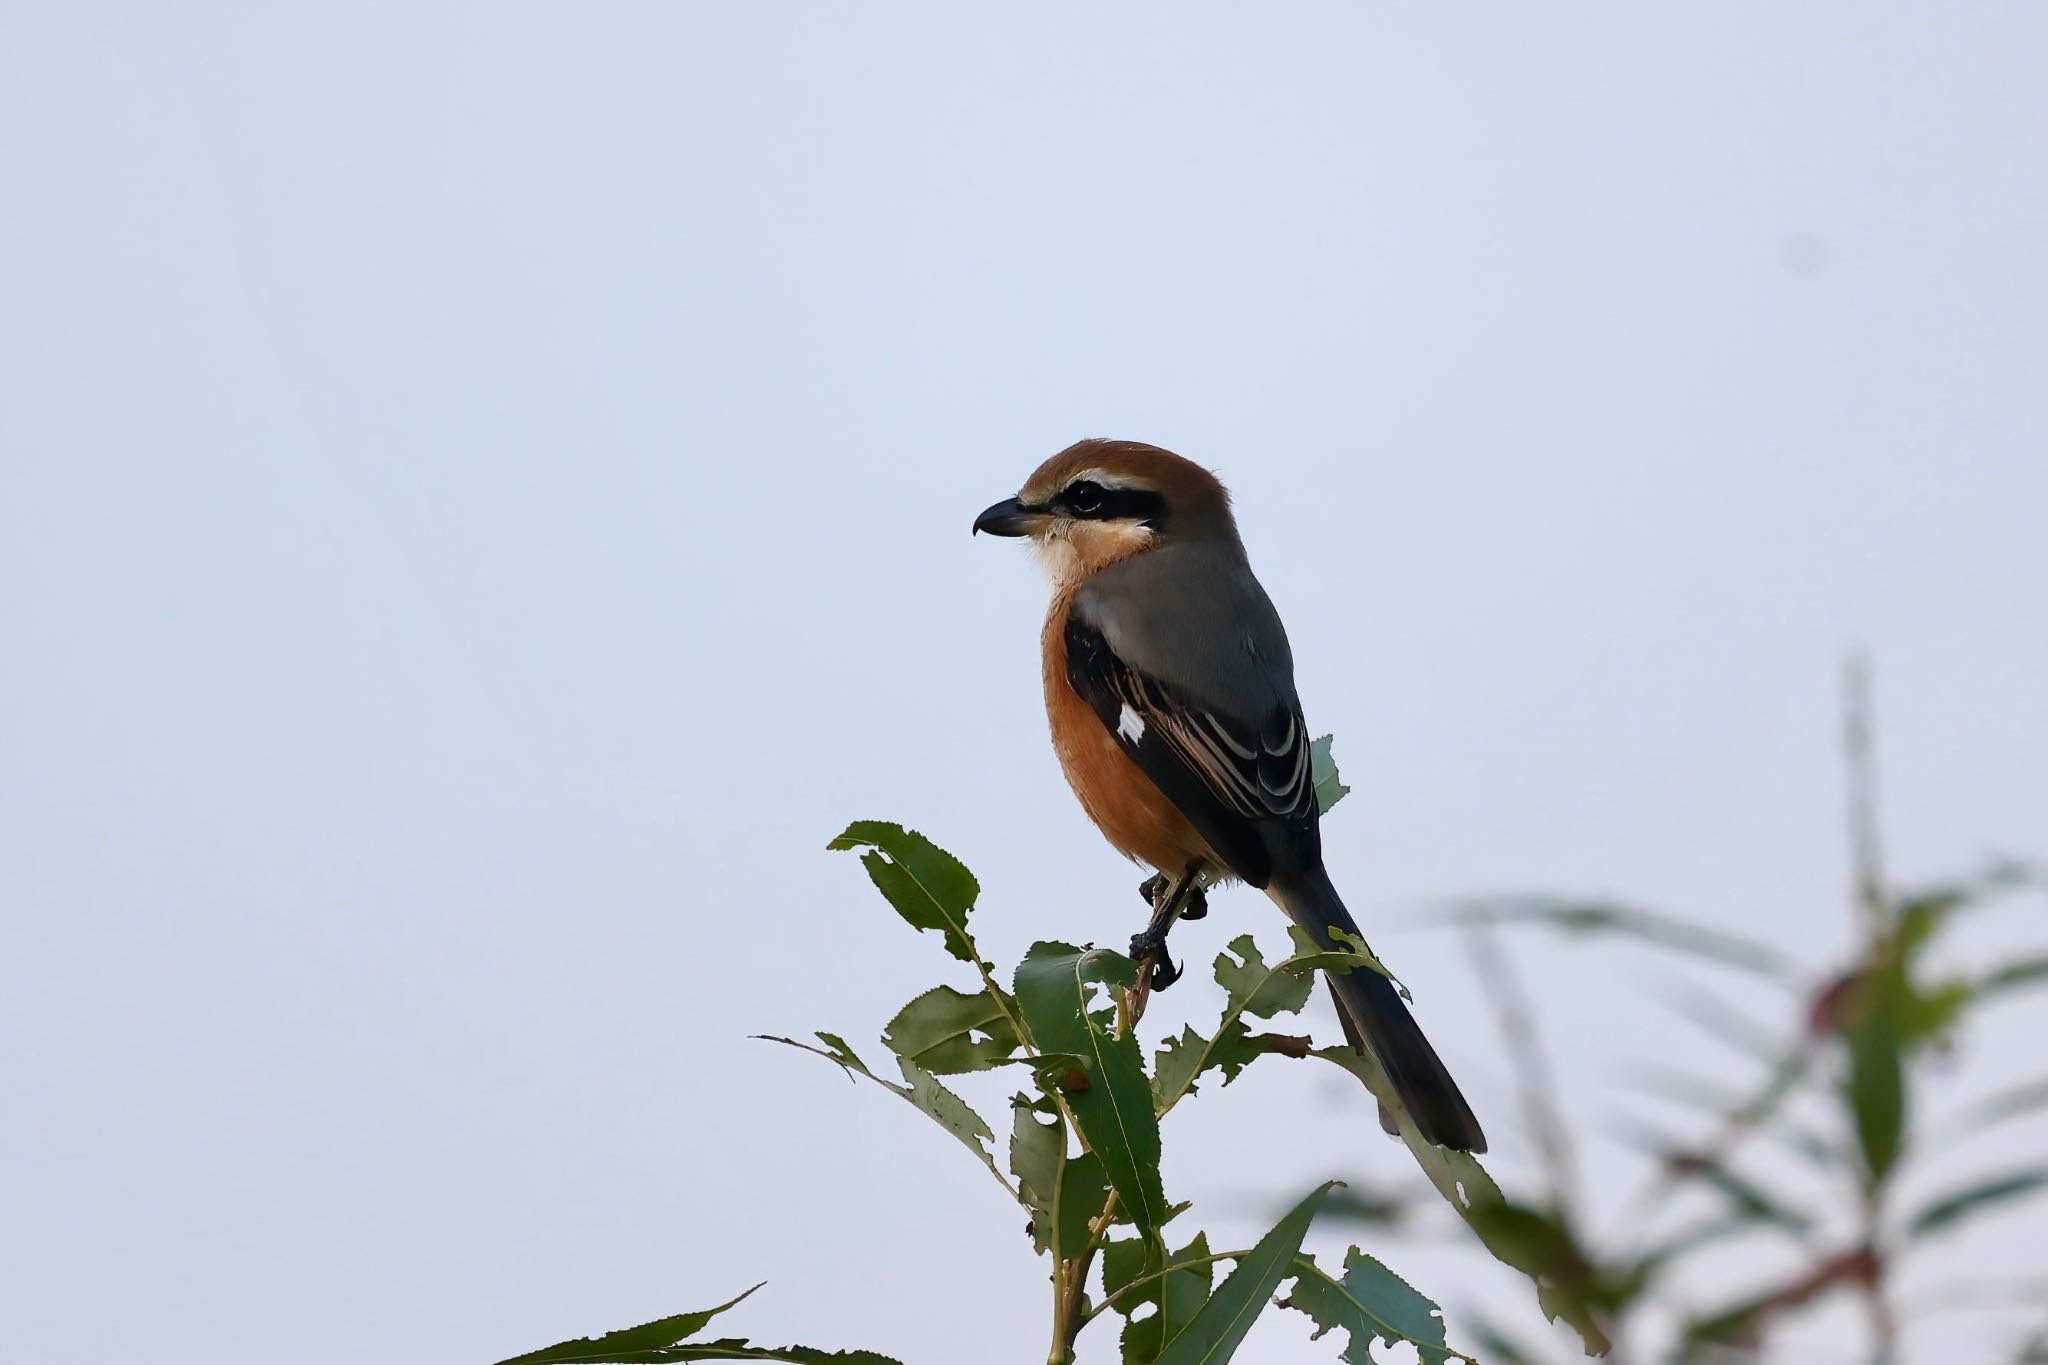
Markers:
1153,946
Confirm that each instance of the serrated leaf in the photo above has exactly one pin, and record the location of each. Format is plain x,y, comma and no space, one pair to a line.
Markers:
948,1032
1038,1155
1370,1303
1219,1328
1180,1059
1084,1191
1053,989
929,887
1254,987
648,1336
1467,1188
950,1111
1322,766
1943,1213
1178,1294
920,1088
1598,918
734,1348
1259,990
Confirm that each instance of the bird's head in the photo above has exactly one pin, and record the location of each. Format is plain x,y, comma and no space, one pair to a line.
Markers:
1100,501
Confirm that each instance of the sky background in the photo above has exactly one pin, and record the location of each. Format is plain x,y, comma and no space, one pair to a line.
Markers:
484,496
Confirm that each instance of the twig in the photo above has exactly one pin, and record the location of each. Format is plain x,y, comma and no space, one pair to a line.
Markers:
1859,758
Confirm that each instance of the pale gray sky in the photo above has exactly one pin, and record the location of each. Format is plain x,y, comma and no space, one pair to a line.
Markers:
484,495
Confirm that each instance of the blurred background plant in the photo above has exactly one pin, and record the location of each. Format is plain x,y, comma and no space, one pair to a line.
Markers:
1820,1149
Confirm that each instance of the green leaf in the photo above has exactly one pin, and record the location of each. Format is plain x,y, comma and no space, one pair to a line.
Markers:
1931,1015
1370,1303
1178,1294
1038,1157
1945,1212
947,1032
1876,1082
1330,789
1115,1110
1256,989
2013,975
1220,1327
950,1111
1749,1200
1467,1188
1251,987
1597,918
733,1348
920,1088
648,1336
929,887
663,1340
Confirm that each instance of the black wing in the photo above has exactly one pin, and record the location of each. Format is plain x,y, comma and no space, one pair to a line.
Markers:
1246,787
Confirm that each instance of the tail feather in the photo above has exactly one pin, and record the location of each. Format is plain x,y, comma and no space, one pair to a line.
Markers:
1374,1012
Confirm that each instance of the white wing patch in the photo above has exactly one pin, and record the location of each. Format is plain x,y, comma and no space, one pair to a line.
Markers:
1130,724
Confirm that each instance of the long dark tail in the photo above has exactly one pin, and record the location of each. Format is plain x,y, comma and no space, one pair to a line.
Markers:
1381,1017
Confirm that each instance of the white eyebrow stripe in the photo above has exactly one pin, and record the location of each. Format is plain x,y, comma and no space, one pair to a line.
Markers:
1096,476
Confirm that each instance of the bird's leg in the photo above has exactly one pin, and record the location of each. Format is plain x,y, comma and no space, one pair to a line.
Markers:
1155,886
1169,902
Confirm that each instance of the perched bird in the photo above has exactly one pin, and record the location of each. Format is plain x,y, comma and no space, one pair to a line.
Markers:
1170,688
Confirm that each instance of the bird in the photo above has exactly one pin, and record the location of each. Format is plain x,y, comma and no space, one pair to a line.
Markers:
1169,686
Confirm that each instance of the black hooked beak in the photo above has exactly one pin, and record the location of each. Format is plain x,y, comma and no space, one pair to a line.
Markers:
1007,518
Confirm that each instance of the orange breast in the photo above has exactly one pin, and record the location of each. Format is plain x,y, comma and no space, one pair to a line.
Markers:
1132,813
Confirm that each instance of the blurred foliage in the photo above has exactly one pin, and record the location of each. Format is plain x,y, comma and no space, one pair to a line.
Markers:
1842,1084
1862,1044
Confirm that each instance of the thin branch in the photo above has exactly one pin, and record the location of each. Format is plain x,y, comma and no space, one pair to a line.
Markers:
1859,757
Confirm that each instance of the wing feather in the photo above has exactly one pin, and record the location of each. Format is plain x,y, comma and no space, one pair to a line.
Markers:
1243,785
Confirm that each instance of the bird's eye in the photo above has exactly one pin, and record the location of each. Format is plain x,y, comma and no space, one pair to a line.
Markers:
1083,497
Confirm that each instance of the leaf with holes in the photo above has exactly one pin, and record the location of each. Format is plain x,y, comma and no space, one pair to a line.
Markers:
929,887
948,1032
1330,788
1467,1188
920,1088
1220,1327
1253,987
1370,1303
1175,1284
1055,987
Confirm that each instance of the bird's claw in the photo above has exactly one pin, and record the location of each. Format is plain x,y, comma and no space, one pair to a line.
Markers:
1149,945
1154,946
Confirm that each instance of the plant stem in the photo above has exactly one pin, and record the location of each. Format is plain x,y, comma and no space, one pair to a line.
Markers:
1188,1264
